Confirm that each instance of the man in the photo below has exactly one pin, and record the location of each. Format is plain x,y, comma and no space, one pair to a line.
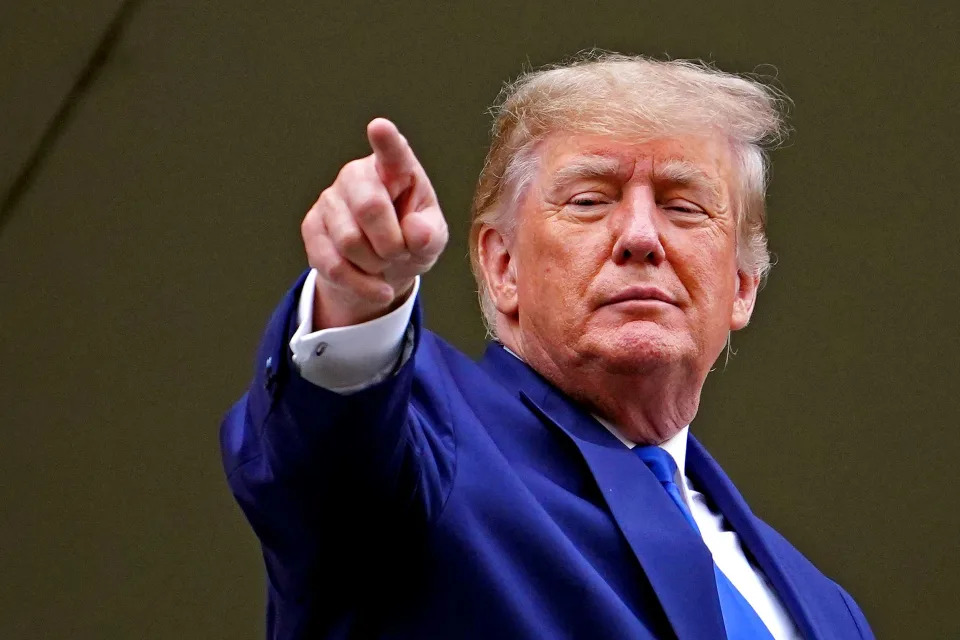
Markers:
401,490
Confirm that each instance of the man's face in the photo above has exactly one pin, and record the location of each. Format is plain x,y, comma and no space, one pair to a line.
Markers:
625,255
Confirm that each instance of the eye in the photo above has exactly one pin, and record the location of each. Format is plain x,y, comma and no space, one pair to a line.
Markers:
684,207
588,200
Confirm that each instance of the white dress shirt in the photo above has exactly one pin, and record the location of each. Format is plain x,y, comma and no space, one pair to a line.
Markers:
348,359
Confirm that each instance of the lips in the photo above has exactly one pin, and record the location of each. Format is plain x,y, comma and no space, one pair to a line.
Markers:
640,293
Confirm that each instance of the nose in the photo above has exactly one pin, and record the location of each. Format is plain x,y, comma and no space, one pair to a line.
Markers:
638,237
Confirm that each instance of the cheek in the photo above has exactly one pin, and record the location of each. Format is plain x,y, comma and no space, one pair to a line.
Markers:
556,276
709,274
707,282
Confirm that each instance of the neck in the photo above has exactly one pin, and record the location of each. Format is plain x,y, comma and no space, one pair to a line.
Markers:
648,407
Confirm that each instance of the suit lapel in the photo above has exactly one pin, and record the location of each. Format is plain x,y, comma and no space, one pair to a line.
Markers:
710,478
674,559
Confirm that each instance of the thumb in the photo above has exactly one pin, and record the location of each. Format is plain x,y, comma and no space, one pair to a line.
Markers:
425,234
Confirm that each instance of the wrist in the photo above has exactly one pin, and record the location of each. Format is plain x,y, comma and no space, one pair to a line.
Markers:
331,308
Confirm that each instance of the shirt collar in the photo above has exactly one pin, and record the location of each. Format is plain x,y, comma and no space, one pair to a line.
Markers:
675,445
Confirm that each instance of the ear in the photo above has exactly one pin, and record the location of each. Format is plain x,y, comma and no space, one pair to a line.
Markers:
499,269
744,299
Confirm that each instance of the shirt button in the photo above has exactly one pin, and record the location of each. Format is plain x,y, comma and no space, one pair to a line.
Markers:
321,347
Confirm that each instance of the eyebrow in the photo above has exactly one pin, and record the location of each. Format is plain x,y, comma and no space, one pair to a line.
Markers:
687,174
585,168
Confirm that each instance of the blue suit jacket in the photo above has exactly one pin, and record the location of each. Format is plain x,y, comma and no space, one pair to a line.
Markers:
465,500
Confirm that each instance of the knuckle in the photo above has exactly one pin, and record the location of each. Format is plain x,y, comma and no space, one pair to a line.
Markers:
307,226
312,223
354,172
370,207
337,270
313,216
350,240
324,200
348,170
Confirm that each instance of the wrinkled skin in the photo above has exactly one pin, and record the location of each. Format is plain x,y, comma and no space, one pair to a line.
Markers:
620,283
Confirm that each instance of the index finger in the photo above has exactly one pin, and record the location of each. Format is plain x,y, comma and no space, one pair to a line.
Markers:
396,163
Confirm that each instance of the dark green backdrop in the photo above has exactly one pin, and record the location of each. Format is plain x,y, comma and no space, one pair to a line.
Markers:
161,223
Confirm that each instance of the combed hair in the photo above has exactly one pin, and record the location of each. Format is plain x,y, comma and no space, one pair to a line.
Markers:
634,97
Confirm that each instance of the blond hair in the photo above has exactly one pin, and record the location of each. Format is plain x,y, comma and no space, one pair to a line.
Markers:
629,96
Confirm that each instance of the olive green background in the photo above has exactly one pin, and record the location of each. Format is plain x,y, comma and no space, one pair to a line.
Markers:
160,225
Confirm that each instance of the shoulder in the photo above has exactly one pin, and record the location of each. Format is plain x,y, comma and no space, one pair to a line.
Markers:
442,373
830,602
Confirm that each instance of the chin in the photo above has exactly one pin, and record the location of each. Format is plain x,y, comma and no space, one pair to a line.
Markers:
639,347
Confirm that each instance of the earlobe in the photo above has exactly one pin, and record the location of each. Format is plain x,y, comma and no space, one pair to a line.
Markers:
744,299
499,269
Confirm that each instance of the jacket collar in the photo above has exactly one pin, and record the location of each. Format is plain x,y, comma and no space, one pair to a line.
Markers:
673,557
710,478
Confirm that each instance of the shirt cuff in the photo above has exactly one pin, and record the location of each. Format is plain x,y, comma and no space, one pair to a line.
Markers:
349,359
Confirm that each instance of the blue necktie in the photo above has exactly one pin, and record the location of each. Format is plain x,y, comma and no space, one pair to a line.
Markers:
739,618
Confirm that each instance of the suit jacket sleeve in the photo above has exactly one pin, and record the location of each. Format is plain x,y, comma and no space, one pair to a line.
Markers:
336,485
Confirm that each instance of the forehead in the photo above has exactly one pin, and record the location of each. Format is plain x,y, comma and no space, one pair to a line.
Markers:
710,155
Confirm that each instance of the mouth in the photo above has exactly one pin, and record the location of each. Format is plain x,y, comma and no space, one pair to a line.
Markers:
640,295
